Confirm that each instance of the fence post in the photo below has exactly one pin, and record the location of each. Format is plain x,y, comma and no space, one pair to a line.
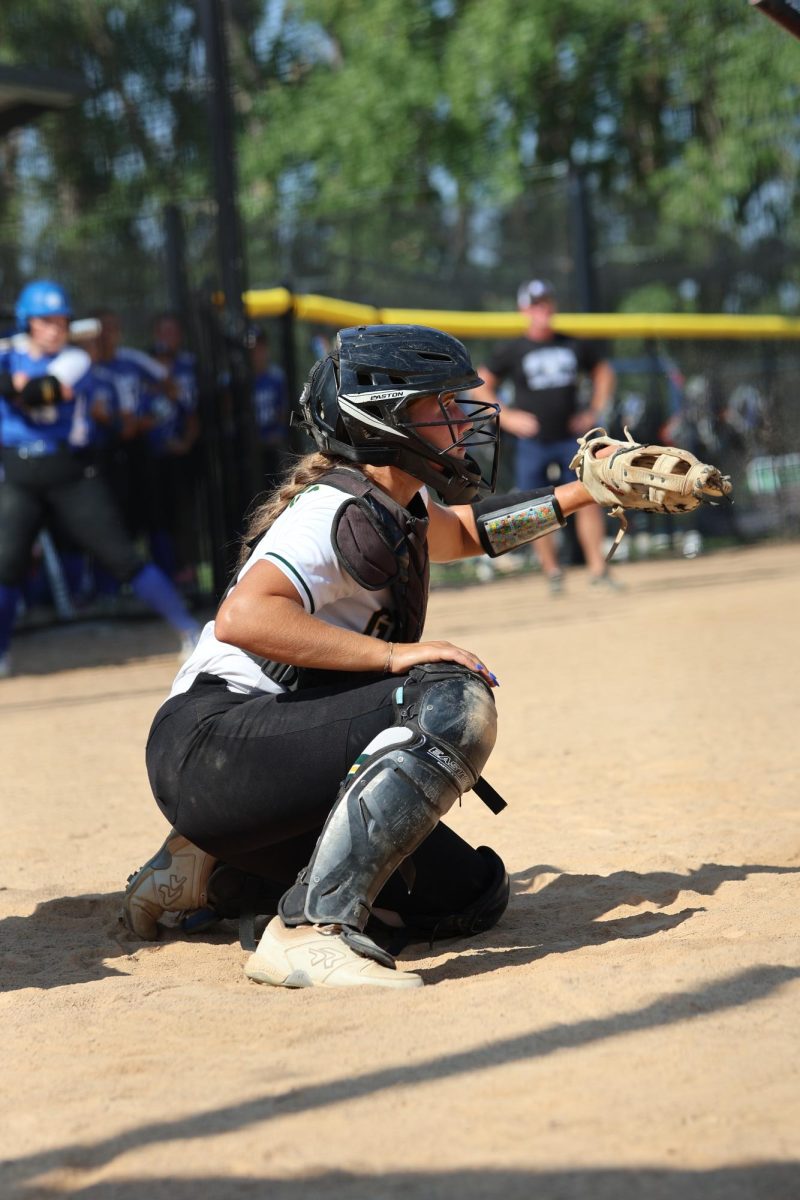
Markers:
287,327
581,238
175,252
230,245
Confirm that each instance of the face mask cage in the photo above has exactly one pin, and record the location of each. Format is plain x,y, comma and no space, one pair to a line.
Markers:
476,429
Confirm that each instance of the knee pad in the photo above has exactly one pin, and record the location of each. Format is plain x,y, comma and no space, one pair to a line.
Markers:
401,786
453,712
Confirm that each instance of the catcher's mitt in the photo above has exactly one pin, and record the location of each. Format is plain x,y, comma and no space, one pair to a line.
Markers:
661,479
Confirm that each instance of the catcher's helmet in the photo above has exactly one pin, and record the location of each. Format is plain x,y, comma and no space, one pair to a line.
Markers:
41,298
356,404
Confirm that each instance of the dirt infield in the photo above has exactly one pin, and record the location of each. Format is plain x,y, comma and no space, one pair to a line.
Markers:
631,1029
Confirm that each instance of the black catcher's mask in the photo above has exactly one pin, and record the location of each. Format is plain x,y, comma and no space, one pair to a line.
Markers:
356,403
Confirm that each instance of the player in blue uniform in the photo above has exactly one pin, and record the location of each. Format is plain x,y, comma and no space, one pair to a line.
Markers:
168,350
139,379
170,424
271,404
49,470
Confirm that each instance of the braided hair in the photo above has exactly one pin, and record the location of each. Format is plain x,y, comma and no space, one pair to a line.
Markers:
306,471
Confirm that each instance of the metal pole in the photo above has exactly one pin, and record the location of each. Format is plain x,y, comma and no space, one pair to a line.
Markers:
175,250
230,245
229,233
214,444
581,237
286,325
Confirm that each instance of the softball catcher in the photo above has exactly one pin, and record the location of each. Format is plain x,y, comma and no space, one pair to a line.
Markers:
313,743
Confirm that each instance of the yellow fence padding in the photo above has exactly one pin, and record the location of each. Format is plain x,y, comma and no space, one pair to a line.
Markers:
338,313
460,324
268,302
676,325
324,310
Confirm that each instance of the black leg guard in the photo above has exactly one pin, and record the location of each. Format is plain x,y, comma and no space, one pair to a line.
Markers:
480,914
397,792
232,892
238,894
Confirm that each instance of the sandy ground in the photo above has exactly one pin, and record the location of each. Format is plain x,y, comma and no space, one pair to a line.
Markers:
631,1029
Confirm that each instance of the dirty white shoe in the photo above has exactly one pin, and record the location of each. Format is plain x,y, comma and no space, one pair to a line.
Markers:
312,956
607,582
555,582
174,880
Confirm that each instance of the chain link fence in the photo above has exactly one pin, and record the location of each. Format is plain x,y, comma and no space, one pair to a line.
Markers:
732,401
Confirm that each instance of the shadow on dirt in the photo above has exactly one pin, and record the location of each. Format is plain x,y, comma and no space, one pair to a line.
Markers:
566,914
68,940
767,1181
774,1181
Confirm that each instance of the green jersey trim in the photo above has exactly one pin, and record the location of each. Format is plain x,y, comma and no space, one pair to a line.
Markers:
298,577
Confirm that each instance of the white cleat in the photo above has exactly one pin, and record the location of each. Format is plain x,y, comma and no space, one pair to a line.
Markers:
174,880
311,956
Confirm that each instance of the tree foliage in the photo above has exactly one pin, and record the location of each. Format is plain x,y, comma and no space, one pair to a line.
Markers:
410,147
85,187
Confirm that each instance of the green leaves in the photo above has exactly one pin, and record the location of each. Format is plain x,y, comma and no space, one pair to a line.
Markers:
400,130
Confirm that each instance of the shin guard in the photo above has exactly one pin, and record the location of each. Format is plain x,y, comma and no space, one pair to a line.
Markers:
398,790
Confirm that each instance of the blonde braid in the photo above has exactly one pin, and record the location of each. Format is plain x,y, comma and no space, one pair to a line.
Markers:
306,471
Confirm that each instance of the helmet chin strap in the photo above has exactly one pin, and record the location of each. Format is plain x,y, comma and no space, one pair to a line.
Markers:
454,487
458,482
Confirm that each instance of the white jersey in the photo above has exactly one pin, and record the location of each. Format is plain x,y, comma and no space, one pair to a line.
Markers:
298,544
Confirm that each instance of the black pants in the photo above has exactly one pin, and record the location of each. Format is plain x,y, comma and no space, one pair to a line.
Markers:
251,780
63,491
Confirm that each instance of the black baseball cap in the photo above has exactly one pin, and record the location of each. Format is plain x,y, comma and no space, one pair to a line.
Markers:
533,291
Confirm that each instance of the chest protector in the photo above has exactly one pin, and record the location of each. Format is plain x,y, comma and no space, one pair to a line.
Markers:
380,545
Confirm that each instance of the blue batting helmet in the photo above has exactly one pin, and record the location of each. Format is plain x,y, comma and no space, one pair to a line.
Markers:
41,298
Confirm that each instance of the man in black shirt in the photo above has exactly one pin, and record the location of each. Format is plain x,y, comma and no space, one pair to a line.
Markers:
545,367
